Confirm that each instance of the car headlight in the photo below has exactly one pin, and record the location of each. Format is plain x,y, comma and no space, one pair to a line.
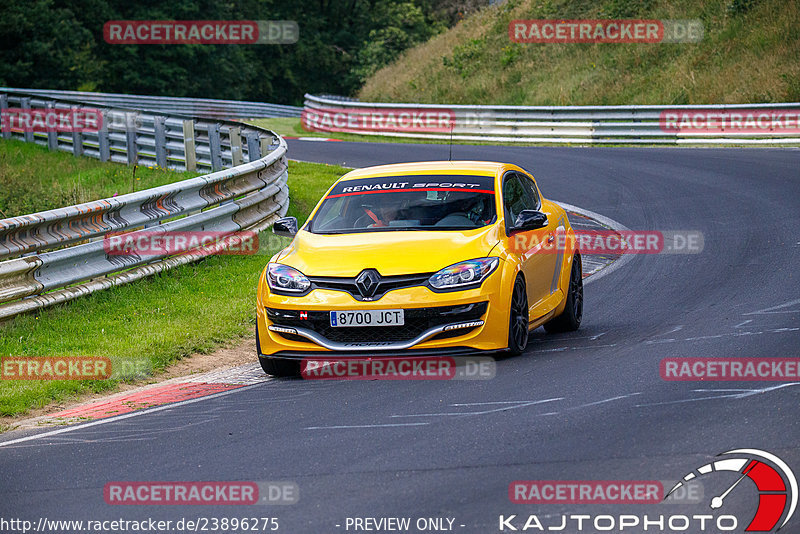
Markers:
283,278
464,274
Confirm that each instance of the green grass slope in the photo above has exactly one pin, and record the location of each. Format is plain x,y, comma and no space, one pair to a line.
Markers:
749,54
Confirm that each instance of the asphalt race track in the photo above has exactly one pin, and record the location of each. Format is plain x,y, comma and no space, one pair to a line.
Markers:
590,405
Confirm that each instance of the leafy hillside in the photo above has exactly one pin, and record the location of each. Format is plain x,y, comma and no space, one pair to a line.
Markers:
60,44
749,54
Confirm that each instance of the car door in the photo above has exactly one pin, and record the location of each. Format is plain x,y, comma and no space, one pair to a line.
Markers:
535,248
554,235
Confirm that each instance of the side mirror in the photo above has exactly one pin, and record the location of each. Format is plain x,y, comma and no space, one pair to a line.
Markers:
529,220
287,227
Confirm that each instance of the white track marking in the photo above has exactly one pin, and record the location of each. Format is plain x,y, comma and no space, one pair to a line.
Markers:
563,349
490,402
729,394
124,416
676,329
778,307
363,426
595,403
501,409
717,336
604,401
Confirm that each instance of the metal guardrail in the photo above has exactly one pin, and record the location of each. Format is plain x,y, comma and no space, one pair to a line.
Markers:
53,256
533,124
173,141
196,107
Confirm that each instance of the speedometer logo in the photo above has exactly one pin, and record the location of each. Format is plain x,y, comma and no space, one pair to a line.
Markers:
776,483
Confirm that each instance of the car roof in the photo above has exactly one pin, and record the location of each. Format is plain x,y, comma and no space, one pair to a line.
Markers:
485,168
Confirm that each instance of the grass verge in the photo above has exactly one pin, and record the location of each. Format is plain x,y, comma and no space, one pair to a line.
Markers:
144,326
34,179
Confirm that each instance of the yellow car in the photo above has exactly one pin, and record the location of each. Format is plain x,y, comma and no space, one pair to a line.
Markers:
419,259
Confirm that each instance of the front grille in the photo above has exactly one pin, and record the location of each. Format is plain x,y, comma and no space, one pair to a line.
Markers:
417,321
384,285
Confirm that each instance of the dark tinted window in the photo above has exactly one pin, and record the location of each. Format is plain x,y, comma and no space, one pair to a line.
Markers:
516,198
530,186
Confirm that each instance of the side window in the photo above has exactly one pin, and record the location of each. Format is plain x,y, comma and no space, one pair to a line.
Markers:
516,198
530,186
330,211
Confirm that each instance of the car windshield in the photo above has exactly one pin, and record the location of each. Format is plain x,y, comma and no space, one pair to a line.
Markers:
444,202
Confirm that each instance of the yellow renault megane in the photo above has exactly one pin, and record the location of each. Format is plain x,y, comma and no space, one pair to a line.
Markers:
419,259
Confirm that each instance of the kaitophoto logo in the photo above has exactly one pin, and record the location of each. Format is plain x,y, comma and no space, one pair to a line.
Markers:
605,31
774,481
245,32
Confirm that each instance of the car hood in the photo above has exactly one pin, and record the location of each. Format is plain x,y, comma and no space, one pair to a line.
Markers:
390,252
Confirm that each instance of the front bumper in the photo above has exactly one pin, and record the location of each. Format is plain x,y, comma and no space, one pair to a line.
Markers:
460,321
422,324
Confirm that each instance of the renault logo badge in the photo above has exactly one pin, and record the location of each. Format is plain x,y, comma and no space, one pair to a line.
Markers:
367,282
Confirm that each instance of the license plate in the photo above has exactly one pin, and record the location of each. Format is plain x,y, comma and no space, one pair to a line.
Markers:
367,318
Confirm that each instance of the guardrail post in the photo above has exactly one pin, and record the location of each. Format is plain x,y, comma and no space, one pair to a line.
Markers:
265,145
77,139
161,141
253,148
3,107
52,134
189,153
214,146
236,145
25,103
102,137
130,138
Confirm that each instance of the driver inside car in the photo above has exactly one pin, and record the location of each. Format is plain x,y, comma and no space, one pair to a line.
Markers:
386,214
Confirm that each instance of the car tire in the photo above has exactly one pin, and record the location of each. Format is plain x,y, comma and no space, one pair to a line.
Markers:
278,367
518,318
570,319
